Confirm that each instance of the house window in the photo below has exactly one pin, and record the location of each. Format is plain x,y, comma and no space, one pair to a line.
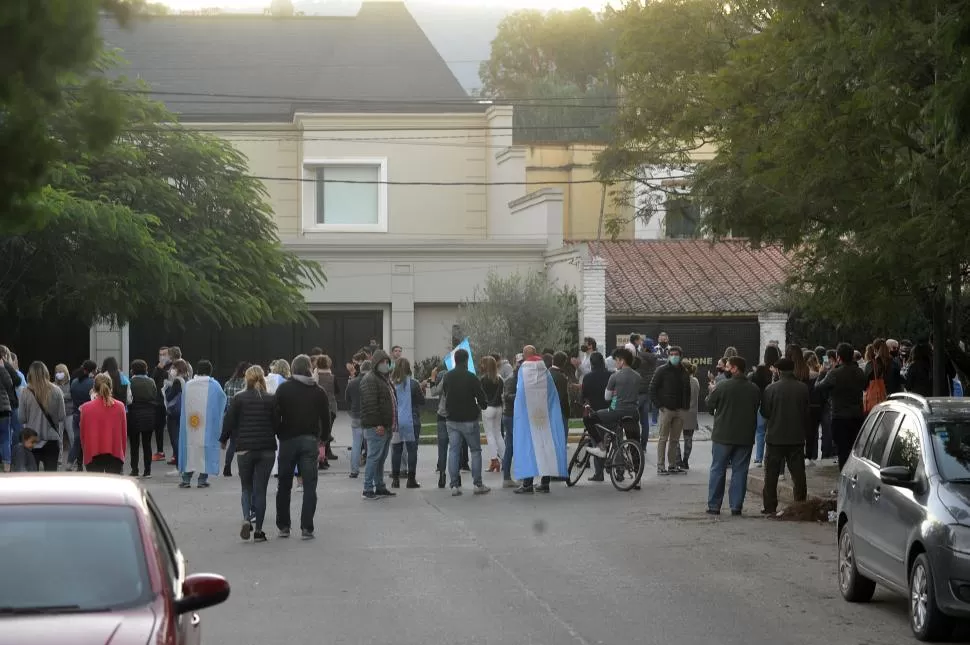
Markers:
682,218
345,195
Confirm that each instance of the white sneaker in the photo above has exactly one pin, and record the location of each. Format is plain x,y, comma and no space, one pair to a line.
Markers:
482,490
810,463
596,452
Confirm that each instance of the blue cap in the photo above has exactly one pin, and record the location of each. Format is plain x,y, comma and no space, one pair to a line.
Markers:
648,344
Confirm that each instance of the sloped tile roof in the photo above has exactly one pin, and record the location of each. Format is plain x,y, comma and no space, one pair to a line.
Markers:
377,61
690,276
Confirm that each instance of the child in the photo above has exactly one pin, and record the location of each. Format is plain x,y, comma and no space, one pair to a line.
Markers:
22,457
690,419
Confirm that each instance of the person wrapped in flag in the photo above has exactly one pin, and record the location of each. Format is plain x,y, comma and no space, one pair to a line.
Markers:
203,407
538,431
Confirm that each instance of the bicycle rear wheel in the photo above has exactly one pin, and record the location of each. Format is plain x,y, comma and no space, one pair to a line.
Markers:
579,463
626,465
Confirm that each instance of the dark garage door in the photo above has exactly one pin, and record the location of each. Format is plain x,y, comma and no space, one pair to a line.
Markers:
703,340
339,333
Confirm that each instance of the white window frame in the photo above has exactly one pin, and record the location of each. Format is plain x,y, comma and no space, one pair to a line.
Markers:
309,192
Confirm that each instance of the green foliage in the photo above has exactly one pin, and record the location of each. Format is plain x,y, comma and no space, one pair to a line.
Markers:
509,313
422,369
164,221
44,44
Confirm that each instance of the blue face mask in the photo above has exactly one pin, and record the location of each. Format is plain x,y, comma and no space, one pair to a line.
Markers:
675,360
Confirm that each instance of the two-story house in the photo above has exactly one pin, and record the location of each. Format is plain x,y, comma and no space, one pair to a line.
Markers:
377,164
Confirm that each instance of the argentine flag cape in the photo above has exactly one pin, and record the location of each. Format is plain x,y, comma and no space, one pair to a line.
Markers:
203,406
539,438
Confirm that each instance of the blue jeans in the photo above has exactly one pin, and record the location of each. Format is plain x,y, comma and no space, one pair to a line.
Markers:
442,445
187,477
300,453
507,457
6,444
355,445
643,405
254,468
740,458
376,456
469,431
74,455
759,439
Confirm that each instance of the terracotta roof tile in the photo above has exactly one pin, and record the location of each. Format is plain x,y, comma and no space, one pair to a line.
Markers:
690,276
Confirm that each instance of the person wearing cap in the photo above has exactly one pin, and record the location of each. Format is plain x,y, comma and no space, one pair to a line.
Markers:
785,407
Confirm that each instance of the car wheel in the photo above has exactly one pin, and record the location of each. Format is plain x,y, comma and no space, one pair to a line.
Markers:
925,618
854,586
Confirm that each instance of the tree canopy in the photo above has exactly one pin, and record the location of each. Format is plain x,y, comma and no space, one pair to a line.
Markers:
506,314
839,129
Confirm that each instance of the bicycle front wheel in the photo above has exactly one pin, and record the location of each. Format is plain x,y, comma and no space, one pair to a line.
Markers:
579,463
626,465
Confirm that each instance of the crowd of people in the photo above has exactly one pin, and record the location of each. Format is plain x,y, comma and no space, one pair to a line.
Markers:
278,421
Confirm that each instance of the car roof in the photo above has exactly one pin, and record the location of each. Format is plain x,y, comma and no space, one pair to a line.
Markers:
69,488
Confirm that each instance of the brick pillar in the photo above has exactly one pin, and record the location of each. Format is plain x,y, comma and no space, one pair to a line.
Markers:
774,327
592,312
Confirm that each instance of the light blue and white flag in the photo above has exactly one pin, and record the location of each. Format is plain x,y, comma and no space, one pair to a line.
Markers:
203,406
450,358
539,437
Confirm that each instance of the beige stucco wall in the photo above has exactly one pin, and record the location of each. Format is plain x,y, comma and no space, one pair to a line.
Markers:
432,324
563,165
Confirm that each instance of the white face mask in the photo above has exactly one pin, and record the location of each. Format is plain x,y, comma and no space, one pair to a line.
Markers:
162,359
172,374
60,376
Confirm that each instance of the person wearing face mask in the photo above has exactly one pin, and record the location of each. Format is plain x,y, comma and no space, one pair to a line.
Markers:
62,379
81,386
663,345
734,404
670,393
378,419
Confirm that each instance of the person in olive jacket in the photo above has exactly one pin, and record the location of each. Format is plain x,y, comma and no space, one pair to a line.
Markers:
734,403
785,408
378,411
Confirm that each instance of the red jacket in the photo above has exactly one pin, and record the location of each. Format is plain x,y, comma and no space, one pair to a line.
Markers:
104,430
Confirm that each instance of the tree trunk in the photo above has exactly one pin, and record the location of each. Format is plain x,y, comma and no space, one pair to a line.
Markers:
956,313
940,385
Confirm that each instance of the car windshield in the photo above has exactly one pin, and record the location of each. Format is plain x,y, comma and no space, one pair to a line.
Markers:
951,443
71,558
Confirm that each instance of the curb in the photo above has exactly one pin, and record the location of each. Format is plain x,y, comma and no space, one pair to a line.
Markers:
786,492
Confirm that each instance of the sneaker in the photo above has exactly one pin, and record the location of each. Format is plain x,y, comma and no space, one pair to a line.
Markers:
259,536
185,485
354,475
284,533
482,489
456,492
133,473
383,492
736,513
369,494
759,464
158,456
246,531
203,485
675,470
765,511
146,476
542,489
662,471
713,511
596,451
524,490
306,534
171,462
509,483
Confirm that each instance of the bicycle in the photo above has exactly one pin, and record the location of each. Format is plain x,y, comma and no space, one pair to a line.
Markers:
624,457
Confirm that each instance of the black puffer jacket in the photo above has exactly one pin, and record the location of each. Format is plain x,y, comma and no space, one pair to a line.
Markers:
376,396
670,388
249,421
143,411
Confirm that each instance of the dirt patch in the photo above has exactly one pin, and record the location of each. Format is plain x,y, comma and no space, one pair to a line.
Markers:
814,509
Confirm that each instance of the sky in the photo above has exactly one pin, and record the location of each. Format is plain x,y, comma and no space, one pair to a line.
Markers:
512,4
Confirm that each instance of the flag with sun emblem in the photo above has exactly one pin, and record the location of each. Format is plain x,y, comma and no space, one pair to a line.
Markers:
203,406
539,436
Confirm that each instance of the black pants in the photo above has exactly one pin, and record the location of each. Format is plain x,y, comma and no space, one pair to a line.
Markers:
140,439
811,433
844,433
254,468
301,453
105,464
397,450
48,456
528,481
776,457
160,425
173,434
828,445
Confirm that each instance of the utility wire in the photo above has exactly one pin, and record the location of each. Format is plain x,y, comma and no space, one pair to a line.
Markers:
308,180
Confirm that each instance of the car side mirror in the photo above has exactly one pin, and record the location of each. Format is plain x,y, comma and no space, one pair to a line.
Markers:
897,476
202,590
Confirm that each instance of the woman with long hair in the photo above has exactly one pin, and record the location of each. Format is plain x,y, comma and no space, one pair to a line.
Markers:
234,386
62,380
142,417
323,373
815,406
883,366
42,410
121,389
919,374
492,417
763,376
82,384
249,424
104,429
410,398
279,371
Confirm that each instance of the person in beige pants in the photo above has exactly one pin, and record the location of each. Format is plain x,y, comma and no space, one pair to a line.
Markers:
670,393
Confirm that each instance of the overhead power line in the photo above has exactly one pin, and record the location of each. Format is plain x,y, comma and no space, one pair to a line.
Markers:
308,180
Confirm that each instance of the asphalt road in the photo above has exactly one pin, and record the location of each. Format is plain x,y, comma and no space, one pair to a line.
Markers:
581,566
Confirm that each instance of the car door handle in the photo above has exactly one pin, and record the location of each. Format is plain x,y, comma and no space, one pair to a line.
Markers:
853,480
876,494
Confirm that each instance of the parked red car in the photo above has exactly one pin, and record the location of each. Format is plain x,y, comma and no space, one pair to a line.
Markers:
89,559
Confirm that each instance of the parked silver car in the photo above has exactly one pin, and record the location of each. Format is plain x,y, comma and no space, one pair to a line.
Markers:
904,510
